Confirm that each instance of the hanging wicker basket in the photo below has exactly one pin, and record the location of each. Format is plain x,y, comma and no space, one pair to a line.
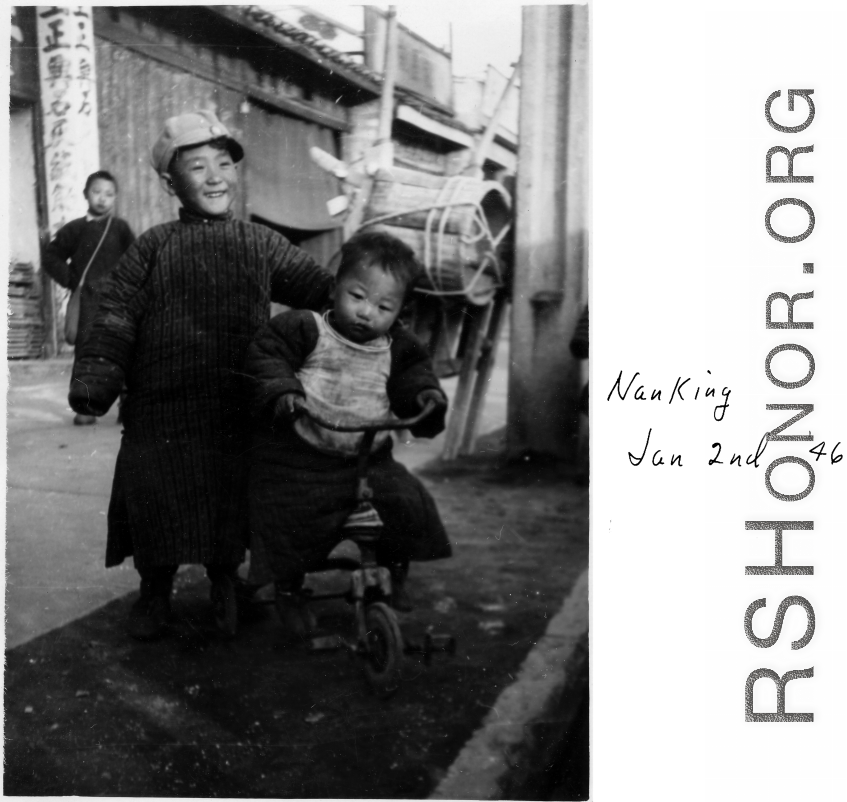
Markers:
456,226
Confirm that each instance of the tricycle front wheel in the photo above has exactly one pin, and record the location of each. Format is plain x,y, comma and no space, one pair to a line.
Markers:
384,657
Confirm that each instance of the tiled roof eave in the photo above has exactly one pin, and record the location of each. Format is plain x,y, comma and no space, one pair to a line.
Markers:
266,24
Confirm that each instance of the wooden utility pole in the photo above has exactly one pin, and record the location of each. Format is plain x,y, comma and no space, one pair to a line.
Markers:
381,154
551,245
389,76
485,325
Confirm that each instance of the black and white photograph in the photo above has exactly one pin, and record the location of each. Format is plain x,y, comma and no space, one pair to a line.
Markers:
719,422
261,253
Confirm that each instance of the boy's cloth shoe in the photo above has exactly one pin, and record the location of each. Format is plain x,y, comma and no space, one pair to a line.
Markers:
84,420
224,600
400,598
149,616
245,592
294,614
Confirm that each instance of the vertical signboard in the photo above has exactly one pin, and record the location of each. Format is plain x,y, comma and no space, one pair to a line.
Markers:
69,107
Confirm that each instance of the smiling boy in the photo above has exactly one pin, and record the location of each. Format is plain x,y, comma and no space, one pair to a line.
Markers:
204,179
174,323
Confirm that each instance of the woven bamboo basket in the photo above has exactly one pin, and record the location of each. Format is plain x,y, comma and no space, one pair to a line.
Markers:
456,226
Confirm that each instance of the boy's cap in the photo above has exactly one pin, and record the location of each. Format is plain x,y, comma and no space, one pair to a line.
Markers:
187,130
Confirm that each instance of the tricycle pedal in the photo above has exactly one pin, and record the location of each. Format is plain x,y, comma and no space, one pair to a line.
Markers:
431,644
327,643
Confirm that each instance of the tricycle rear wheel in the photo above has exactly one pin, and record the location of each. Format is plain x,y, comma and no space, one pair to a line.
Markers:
384,658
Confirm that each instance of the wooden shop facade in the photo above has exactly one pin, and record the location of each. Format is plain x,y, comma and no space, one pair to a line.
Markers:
91,88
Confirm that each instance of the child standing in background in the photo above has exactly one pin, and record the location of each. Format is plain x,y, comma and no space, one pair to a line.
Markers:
69,254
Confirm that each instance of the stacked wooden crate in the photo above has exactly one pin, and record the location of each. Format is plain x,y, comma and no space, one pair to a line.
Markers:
26,334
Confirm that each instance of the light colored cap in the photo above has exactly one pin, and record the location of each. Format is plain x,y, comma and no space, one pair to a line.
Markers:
187,130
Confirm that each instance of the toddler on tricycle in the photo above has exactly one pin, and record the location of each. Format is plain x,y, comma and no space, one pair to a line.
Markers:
352,365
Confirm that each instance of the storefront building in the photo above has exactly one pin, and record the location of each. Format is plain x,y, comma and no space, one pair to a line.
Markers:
91,88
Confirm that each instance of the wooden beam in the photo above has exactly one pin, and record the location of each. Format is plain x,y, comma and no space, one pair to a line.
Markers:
412,116
478,321
48,296
386,103
484,369
490,130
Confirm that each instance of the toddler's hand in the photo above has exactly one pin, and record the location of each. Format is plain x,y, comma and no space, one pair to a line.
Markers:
290,405
431,396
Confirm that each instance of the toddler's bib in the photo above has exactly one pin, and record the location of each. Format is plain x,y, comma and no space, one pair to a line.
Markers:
344,380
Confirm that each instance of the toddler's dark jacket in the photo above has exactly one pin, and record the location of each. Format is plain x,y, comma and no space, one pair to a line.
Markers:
299,496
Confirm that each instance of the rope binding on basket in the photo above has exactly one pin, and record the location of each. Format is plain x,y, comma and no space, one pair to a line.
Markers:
446,202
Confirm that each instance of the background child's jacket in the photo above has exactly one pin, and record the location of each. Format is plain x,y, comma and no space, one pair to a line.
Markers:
76,242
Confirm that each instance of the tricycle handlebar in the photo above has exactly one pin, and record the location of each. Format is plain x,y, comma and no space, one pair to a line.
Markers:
378,425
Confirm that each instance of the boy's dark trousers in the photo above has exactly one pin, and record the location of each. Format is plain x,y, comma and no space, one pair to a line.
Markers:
159,578
157,583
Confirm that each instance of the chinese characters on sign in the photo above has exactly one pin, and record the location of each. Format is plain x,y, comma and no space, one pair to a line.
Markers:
69,104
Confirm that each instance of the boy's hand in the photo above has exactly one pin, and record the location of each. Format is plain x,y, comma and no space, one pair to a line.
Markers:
290,406
431,396
82,402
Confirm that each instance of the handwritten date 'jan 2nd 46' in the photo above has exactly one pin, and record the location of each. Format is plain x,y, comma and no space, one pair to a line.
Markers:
721,456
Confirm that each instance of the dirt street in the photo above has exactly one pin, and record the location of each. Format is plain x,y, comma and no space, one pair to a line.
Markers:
90,712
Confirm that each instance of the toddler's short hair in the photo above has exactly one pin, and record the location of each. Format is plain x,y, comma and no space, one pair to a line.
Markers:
104,174
369,248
